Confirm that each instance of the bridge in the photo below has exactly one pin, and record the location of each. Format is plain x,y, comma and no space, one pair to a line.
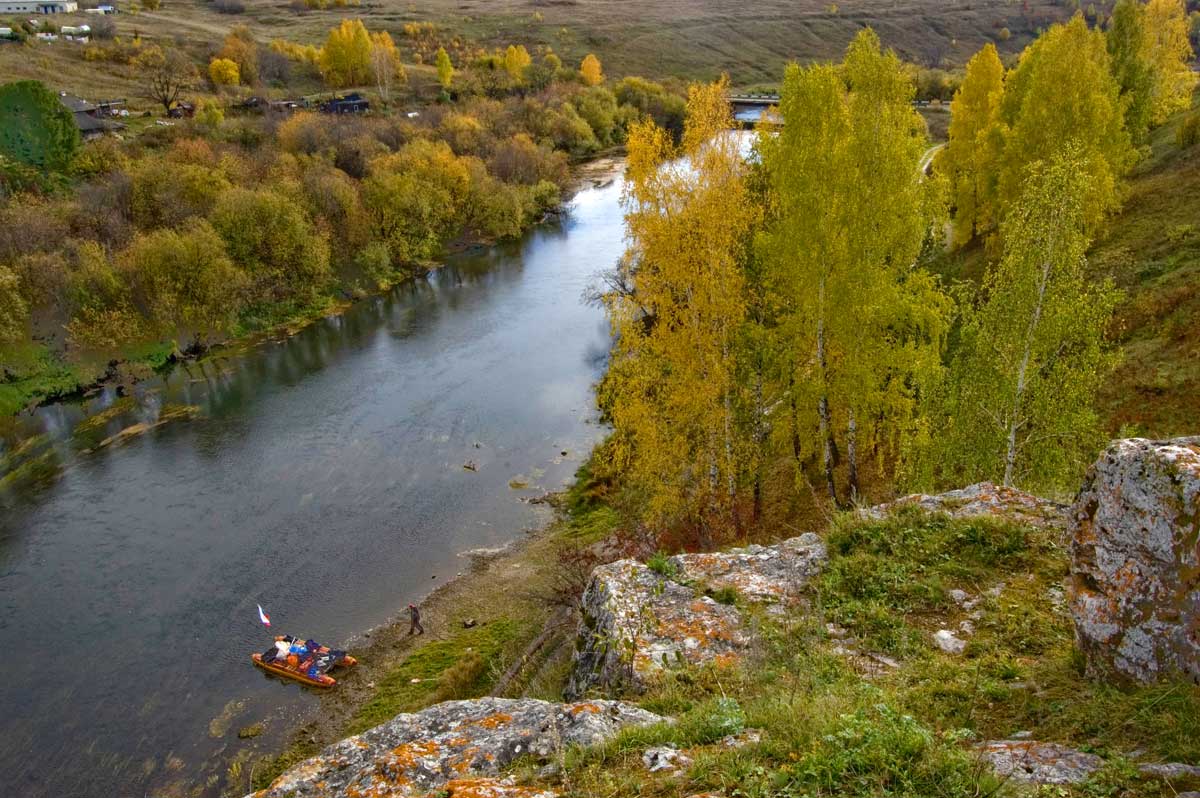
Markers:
748,109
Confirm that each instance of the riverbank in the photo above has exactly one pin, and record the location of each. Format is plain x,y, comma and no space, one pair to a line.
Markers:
504,625
37,375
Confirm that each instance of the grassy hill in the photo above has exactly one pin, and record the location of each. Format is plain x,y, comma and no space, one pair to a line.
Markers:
1152,250
691,39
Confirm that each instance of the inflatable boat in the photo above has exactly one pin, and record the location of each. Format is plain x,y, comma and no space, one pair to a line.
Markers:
311,666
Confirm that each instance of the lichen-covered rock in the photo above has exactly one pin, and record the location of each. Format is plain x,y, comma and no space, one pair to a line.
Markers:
1038,763
637,622
459,746
984,498
1134,590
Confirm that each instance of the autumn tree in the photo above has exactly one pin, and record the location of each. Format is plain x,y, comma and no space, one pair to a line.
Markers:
14,312
1033,353
1131,68
590,71
240,48
671,389
1062,91
1167,48
972,155
860,328
346,57
445,69
164,74
385,64
516,61
269,236
224,72
182,281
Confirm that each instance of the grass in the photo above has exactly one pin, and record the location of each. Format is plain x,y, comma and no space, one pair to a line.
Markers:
689,39
829,729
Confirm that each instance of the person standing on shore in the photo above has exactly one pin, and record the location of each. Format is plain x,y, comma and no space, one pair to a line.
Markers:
414,617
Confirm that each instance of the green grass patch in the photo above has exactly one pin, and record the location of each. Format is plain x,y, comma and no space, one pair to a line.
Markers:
437,667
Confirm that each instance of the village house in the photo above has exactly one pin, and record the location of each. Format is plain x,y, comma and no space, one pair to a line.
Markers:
90,117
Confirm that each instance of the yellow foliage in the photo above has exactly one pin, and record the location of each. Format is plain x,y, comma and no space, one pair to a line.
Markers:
346,57
224,72
516,60
590,71
1167,48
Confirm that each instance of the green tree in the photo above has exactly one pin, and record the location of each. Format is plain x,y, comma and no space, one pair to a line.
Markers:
269,236
1063,91
860,329
346,57
182,281
1033,354
671,389
1132,70
416,198
445,69
37,129
973,152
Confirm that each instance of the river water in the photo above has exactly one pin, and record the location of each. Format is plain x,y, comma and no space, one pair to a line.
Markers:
320,476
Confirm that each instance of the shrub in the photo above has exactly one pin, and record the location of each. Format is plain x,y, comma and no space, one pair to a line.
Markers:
229,6
462,679
224,72
1188,134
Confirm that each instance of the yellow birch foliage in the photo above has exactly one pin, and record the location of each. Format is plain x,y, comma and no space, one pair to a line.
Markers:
974,149
590,71
671,386
346,56
516,60
1168,50
1062,94
224,72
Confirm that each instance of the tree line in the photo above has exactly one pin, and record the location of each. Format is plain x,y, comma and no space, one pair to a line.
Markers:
778,332
223,224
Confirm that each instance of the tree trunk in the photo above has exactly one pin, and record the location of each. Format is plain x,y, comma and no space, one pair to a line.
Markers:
852,457
826,427
1014,418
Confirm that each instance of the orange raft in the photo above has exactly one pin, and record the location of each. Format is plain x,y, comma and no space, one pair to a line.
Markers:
311,668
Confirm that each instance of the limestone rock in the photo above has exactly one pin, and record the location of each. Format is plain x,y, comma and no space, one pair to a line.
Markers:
1171,771
665,757
984,498
1134,589
948,642
637,622
1039,763
460,746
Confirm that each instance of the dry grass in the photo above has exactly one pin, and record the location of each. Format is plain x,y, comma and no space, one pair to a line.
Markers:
683,38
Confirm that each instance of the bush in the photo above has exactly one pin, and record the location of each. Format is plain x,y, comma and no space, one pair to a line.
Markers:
1188,134
462,679
229,6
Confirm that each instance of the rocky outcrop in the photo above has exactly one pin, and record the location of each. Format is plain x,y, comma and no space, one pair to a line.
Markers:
982,499
1135,561
637,621
1032,762
458,747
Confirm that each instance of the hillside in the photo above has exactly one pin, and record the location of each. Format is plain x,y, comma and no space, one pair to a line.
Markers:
692,39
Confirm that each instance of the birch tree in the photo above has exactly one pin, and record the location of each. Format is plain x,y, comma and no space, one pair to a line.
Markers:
860,328
975,145
1033,352
671,389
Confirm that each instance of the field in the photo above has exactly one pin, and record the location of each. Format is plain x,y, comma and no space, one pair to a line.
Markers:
689,39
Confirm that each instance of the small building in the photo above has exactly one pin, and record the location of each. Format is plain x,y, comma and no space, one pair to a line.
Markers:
353,103
89,117
38,6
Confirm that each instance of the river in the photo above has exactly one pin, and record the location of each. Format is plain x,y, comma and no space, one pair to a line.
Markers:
320,475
